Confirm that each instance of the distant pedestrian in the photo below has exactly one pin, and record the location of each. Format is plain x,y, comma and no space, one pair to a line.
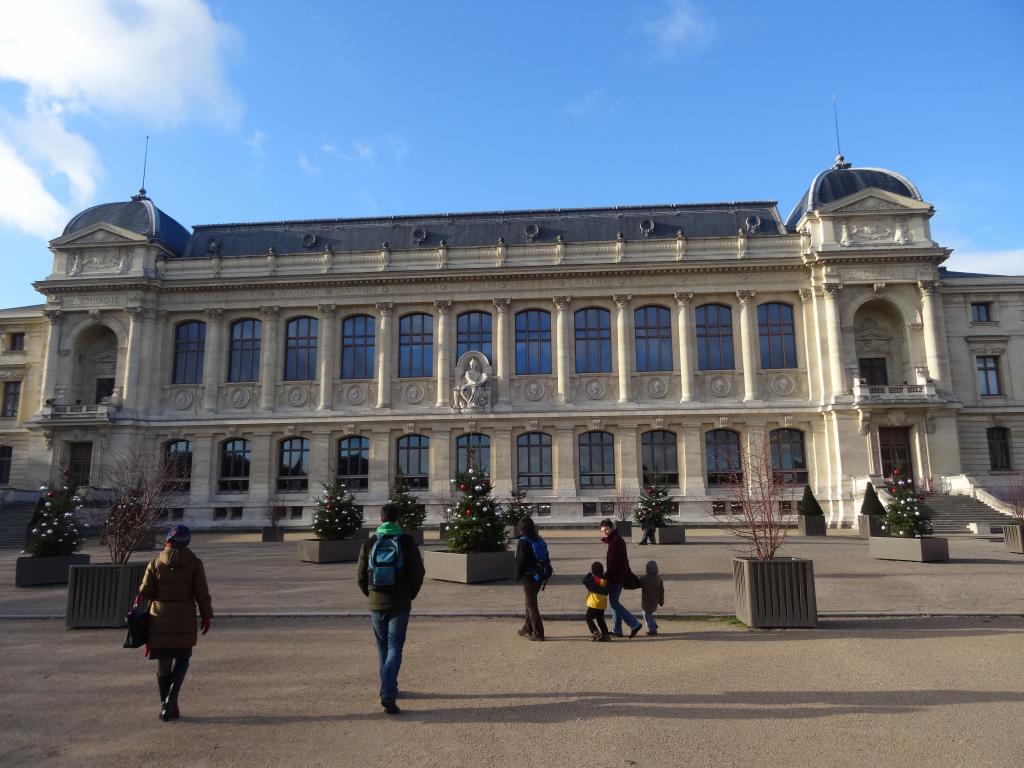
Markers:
597,601
533,569
647,523
617,573
390,574
652,594
174,583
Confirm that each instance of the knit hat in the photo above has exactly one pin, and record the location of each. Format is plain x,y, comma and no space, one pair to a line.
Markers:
179,535
652,568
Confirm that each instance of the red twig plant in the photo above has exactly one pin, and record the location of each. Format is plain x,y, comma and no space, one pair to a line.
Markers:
755,490
140,492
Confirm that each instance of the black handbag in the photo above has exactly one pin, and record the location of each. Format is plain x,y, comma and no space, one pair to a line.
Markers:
138,628
632,581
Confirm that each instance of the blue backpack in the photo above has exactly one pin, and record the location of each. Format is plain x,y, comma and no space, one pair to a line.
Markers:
542,570
385,562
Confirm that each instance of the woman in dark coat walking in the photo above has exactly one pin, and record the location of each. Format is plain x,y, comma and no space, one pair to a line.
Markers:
527,572
175,583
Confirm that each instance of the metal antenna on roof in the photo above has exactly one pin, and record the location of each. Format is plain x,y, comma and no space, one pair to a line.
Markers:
145,159
840,160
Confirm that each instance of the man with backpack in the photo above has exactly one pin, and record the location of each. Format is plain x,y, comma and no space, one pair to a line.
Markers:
390,574
533,568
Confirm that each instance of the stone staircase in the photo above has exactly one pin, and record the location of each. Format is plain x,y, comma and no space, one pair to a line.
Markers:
14,520
952,514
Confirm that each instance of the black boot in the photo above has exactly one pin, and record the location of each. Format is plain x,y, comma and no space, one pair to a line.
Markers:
170,709
164,683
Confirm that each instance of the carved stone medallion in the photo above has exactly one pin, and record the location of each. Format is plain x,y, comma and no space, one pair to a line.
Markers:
296,396
414,393
657,387
719,386
183,399
355,395
239,397
783,384
533,390
594,389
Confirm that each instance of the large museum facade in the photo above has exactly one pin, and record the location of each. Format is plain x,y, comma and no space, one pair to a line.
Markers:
573,353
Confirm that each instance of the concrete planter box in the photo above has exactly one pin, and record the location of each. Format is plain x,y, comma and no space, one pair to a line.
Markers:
470,568
325,551
669,534
624,527
775,593
811,525
417,535
1013,540
929,549
868,526
272,534
37,571
101,595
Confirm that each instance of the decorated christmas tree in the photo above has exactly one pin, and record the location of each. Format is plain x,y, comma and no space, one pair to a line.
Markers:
477,524
55,525
411,513
337,516
654,505
904,516
515,509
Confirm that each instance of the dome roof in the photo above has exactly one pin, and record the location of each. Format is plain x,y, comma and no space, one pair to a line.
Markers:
136,215
842,180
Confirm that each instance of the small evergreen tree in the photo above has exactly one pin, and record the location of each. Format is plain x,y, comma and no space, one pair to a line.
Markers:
411,513
904,517
871,504
477,525
55,524
515,509
808,505
654,505
337,516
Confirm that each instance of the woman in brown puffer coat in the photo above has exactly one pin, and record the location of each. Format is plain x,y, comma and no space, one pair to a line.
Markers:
175,583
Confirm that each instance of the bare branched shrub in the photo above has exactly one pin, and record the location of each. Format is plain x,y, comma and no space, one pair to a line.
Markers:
141,489
1014,496
755,491
448,504
275,511
623,506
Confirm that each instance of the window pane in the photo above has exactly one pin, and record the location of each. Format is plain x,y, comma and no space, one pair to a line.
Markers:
293,465
354,462
234,465
999,448
652,327
178,463
714,338
788,462
777,335
473,450
414,460
533,460
722,447
416,346
473,334
6,457
597,460
593,340
300,349
533,342
244,355
189,345
358,347
658,457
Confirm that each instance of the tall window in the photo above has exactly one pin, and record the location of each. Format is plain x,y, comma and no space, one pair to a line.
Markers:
714,338
789,464
658,457
981,312
473,334
722,448
778,335
533,460
593,340
79,464
416,345
597,460
6,456
533,342
414,460
293,465
244,359
300,349
235,457
354,462
874,371
12,396
473,450
988,375
17,342
358,347
999,448
189,345
178,465
653,329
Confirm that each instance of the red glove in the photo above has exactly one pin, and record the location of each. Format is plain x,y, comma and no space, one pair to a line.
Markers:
206,626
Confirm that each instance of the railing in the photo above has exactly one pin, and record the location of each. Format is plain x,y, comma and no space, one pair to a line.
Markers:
99,411
888,393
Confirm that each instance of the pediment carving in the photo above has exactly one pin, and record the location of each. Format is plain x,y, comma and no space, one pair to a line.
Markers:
100,234
874,200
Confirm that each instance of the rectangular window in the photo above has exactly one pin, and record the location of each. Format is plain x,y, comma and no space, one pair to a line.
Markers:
12,395
79,464
590,509
722,507
777,334
220,513
981,312
999,448
542,510
6,456
17,343
104,388
533,342
172,513
295,513
785,507
988,375
873,370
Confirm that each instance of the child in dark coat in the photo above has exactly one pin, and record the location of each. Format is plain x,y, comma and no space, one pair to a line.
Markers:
597,601
652,594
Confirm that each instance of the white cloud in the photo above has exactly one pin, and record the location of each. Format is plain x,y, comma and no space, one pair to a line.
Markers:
992,262
255,143
364,151
306,165
684,25
368,152
24,202
584,104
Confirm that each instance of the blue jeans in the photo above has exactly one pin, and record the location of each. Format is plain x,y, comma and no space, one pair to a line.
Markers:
649,620
619,612
389,630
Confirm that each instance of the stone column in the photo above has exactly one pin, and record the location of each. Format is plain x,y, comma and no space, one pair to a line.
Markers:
53,338
748,339
205,469
385,309
212,357
380,464
263,466
327,355
269,359
810,338
626,458
132,361
144,394
693,481
322,461
444,395
501,367
683,326
565,465
622,342
440,460
835,339
562,329
934,332
501,462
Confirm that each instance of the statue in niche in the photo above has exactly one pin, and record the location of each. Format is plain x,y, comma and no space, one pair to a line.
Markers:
474,389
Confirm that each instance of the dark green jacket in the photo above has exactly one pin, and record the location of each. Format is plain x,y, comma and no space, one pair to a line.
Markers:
410,578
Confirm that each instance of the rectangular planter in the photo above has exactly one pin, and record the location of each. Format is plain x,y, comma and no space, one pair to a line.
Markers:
37,571
868,526
417,535
775,593
471,568
930,549
1013,541
671,534
100,595
324,551
811,525
272,533
624,527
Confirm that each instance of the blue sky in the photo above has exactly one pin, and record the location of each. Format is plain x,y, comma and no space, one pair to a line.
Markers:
270,111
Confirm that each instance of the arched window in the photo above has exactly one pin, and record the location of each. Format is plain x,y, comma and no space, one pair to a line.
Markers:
597,460
652,327
414,460
778,335
178,465
714,338
999,456
416,346
293,465
473,450
658,457
6,456
358,347
533,342
473,334
244,358
300,349
235,457
722,447
354,462
189,345
593,340
533,460
789,463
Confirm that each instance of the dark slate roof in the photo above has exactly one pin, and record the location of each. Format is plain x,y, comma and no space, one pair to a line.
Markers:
841,180
136,215
946,274
484,229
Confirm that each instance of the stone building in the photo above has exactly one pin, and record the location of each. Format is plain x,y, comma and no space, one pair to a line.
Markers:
574,353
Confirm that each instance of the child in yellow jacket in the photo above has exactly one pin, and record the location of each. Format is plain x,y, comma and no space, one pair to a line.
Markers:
597,601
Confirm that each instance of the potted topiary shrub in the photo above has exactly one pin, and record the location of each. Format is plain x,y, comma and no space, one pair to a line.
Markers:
1013,530
273,514
335,525
476,536
653,511
810,516
869,521
55,538
514,509
412,514
908,527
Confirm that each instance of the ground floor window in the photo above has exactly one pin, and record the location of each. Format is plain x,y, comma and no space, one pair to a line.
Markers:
80,464
999,448
533,460
6,454
414,460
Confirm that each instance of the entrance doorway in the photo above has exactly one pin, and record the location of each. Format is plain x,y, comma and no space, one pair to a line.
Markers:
894,445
